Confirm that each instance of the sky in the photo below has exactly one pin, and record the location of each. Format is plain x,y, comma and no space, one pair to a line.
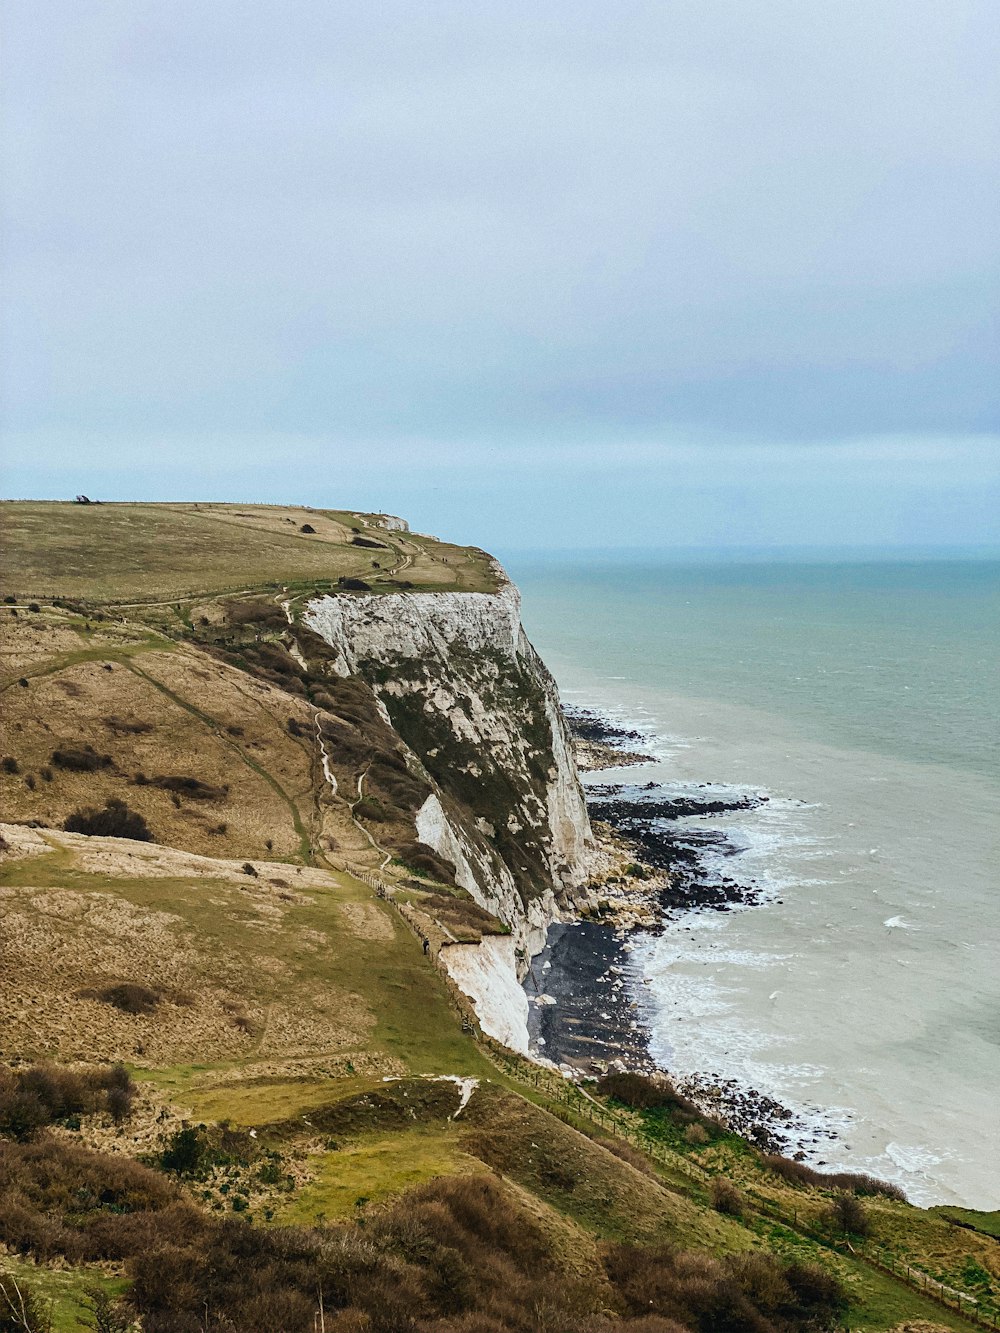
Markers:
684,273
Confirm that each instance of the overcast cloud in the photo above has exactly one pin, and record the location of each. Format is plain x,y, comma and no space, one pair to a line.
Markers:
721,264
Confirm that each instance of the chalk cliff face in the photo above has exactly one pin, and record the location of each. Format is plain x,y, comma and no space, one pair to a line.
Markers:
472,700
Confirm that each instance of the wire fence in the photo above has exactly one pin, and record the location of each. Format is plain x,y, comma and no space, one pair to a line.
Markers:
566,1093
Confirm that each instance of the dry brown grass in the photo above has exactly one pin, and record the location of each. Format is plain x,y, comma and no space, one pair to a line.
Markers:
182,926
221,728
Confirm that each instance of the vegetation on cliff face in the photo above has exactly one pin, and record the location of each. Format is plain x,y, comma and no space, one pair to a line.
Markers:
235,1092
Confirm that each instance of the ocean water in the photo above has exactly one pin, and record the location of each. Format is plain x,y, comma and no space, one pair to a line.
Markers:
863,699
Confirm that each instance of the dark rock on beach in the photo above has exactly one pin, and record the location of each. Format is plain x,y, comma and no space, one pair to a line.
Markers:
581,1010
588,726
600,744
649,824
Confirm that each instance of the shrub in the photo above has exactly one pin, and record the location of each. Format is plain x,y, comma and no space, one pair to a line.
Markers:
193,1151
643,1093
726,1198
116,820
30,782
848,1215
9,764
46,773
47,1094
58,1198
307,527
856,1182
81,760
129,997
372,809
33,606
747,1293
22,1310
184,1154
106,1313
249,869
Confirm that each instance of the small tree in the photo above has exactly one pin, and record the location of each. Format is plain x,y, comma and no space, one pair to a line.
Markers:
105,1313
116,820
849,1215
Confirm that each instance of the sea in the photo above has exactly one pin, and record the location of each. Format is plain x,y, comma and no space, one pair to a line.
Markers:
861,697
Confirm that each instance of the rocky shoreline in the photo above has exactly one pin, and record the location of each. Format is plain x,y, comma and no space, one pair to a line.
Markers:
599,744
650,868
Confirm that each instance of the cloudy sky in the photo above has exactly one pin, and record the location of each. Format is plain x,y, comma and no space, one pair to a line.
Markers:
676,273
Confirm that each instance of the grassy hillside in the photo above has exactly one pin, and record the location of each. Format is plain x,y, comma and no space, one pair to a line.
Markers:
121,552
315,1132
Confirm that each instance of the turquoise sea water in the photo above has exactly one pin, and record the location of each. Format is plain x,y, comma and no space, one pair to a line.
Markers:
863,699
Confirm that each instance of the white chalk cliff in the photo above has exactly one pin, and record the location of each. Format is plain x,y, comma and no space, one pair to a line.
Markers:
472,700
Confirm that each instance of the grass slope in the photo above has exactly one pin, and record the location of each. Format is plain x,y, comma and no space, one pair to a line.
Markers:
141,552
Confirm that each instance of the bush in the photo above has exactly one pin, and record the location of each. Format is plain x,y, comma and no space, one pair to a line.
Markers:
848,1215
746,1293
856,1182
726,1198
22,1310
9,764
44,1095
643,1093
307,527
116,820
106,1313
129,997
194,1151
60,1199
82,760
626,1153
